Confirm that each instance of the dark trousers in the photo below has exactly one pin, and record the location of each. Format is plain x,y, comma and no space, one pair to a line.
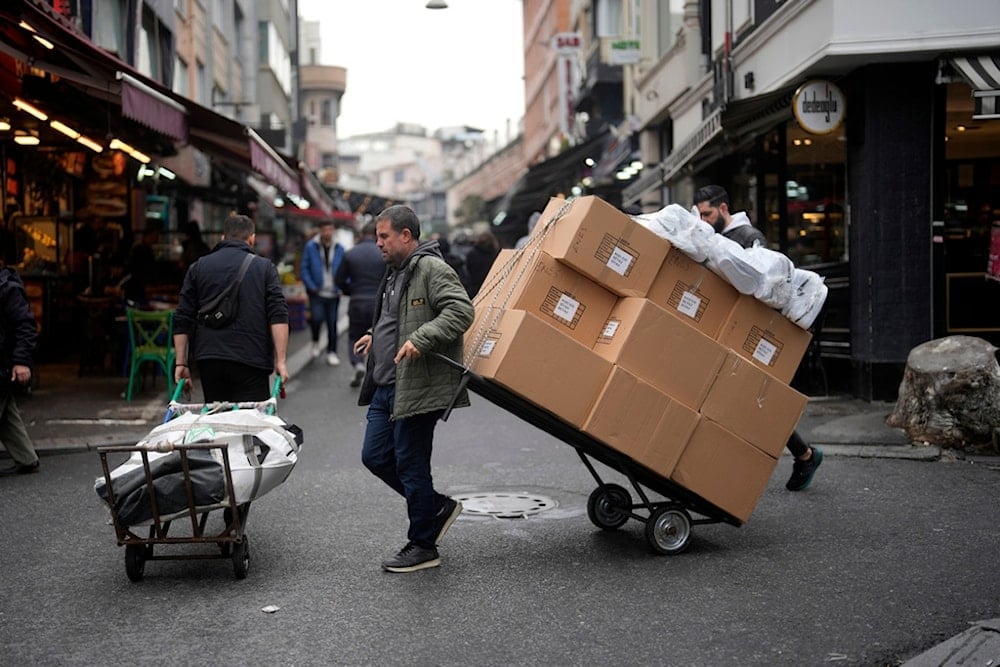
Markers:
360,314
796,445
323,310
231,381
399,453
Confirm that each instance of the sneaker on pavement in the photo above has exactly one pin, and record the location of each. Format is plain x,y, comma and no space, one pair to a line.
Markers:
358,377
445,517
411,558
803,471
332,359
316,350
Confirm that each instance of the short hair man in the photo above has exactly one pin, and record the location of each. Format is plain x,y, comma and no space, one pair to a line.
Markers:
18,334
236,361
712,202
421,307
321,258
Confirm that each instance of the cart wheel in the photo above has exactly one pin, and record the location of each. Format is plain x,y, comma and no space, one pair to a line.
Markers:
135,561
241,557
606,504
668,529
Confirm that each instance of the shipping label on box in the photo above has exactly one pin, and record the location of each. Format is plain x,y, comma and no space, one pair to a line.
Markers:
766,337
660,348
754,405
535,361
602,243
562,297
693,291
724,469
640,421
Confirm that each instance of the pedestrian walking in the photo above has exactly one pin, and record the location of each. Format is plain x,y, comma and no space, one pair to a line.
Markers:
480,260
358,277
713,205
235,361
18,333
321,258
421,308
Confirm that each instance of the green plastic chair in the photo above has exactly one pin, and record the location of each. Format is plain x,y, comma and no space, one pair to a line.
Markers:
151,338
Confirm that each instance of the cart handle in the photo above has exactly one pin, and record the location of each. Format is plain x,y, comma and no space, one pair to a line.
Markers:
173,399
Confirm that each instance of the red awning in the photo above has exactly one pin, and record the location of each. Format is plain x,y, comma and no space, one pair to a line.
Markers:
154,110
313,190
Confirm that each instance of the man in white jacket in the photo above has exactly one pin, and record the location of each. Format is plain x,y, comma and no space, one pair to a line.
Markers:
712,202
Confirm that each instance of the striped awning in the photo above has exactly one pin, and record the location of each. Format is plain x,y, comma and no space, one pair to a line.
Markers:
982,73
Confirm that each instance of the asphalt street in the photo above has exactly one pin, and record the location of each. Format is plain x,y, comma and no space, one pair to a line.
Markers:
878,562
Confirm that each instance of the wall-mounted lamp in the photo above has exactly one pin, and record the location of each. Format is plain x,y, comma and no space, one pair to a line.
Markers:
4,125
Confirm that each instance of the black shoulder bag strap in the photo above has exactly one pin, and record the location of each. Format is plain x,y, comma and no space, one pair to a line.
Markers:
244,267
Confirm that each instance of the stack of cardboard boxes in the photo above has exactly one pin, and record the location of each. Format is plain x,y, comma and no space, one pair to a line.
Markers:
611,329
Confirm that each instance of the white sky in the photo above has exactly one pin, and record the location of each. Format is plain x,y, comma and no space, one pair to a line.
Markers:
436,67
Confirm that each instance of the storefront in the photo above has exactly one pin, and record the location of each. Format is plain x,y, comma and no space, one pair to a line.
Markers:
895,205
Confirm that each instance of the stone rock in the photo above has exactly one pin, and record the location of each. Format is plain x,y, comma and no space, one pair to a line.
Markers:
950,393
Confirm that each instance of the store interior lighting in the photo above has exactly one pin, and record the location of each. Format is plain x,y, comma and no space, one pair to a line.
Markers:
90,143
4,125
41,40
26,138
437,4
119,145
24,106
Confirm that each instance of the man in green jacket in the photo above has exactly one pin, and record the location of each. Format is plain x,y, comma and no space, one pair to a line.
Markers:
421,308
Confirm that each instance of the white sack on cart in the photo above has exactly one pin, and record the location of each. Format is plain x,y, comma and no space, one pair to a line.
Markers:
262,451
767,275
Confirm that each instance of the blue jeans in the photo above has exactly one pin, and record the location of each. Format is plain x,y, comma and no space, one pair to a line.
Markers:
399,453
324,310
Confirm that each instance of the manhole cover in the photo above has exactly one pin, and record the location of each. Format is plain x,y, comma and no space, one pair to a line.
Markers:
505,505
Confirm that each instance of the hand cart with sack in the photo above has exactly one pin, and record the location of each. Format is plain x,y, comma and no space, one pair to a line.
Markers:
204,457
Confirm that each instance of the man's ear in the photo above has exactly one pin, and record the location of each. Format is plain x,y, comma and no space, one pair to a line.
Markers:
252,239
724,209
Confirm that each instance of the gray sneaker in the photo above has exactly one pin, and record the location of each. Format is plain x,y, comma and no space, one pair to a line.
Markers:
445,517
411,558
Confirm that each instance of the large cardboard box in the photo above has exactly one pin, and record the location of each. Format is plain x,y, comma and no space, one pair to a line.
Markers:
560,296
658,347
754,405
766,337
535,361
640,421
603,243
724,469
693,292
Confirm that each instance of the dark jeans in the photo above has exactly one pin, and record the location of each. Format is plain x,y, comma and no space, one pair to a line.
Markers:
231,381
399,453
796,445
360,313
324,310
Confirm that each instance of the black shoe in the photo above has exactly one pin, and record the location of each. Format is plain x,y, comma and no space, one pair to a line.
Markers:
411,558
20,469
445,517
803,471
358,377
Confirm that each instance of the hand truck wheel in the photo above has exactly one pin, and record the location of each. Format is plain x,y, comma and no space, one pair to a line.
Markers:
608,506
668,529
241,557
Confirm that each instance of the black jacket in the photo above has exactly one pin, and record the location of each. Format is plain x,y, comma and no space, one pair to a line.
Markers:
262,303
361,271
18,331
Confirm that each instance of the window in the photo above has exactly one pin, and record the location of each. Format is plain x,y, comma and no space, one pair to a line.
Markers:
328,160
274,55
201,83
326,113
108,27
609,18
181,83
219,14
670,17
149,59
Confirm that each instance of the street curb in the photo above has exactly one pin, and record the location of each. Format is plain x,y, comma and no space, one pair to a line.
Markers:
979,645
296,362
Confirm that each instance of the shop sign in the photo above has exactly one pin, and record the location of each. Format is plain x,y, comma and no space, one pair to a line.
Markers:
623,52
819,106
567,43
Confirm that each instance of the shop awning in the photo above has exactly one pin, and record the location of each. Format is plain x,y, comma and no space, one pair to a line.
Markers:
982,73
314,191
32,32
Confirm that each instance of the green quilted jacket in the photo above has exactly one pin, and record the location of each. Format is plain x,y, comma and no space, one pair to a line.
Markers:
434,313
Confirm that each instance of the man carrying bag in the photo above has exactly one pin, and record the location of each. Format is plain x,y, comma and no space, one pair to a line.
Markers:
235,361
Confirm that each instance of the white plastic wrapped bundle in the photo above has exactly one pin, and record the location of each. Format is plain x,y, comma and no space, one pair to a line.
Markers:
686,232
767,275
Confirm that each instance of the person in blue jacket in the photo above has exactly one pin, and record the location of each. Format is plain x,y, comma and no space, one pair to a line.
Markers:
320,260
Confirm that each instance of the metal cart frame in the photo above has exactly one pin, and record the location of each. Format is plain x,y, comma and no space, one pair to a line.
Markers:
232,541
667,523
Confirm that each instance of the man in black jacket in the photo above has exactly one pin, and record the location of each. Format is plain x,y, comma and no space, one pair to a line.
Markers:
359,276
17,347
235,362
